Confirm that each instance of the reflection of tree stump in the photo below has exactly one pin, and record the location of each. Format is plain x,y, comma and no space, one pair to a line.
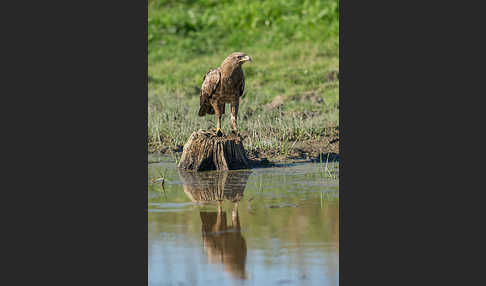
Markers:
206,151
214,186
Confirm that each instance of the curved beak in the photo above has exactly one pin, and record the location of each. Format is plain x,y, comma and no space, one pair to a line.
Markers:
246,59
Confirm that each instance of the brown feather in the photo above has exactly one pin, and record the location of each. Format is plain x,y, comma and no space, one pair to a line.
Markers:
211,83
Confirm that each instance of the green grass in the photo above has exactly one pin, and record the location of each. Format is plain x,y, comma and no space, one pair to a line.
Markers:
294,51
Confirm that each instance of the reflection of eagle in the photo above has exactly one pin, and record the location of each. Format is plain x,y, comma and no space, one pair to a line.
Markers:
222,243
224,85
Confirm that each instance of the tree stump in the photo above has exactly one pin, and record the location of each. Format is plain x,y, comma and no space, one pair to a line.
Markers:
204,150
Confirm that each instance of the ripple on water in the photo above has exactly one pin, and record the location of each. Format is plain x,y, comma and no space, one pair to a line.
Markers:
170,207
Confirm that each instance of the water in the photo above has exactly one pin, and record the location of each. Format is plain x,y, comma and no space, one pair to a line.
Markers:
266,226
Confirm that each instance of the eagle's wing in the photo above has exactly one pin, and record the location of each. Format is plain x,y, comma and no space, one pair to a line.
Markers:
242,85
211,82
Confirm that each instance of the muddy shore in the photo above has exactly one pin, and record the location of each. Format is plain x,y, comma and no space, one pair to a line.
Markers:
323,149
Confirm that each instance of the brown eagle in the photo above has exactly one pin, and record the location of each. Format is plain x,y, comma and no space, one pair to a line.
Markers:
224,85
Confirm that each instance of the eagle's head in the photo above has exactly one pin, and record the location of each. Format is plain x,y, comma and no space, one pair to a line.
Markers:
237,59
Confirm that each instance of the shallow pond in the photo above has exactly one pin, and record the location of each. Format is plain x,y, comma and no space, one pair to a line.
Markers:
265,226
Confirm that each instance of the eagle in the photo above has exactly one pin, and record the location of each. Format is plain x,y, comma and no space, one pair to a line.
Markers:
224,85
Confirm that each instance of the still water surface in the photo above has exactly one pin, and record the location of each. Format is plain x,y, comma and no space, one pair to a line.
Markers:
266,226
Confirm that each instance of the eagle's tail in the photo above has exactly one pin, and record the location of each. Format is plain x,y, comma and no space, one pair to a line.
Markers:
205,108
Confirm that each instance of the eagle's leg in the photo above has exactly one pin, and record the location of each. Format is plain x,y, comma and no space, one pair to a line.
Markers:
218,125
234,116
217,112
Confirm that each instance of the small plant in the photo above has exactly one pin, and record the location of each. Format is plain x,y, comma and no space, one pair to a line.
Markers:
325,171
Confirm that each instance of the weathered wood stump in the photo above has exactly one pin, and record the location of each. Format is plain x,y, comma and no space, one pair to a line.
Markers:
204,150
